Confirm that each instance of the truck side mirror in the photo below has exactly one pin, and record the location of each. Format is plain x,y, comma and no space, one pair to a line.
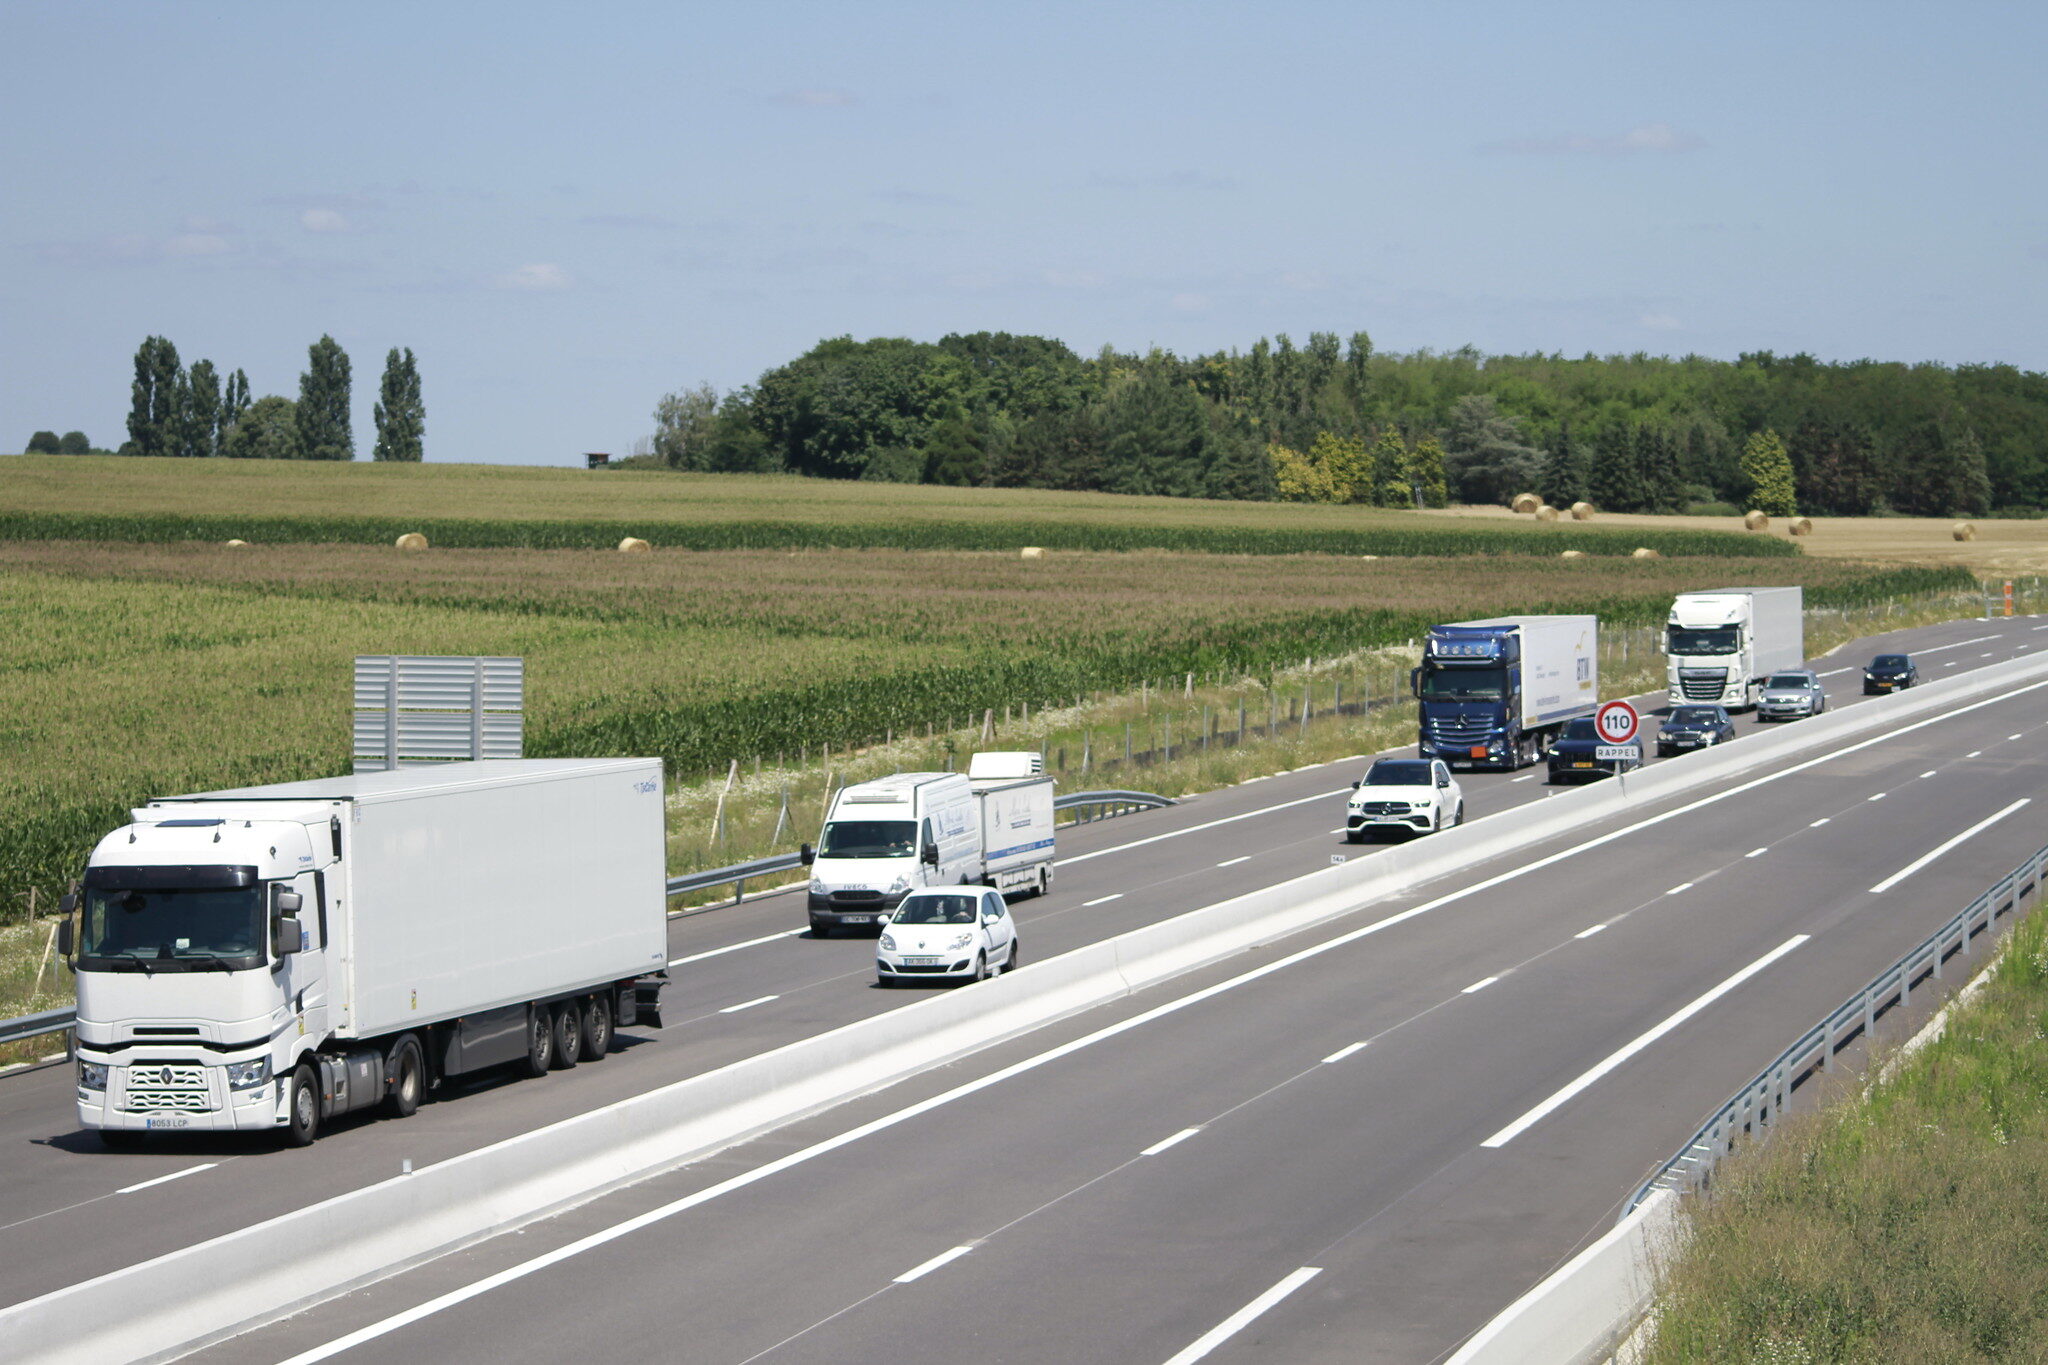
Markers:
68,903
290,937
64,937
290,902
930,854
1415,682
806,855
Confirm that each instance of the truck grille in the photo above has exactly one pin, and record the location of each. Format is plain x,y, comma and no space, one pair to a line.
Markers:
153,1087
1703,684
1460,731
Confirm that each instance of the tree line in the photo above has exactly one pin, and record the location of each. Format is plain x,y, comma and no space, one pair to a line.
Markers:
192,412
1335,420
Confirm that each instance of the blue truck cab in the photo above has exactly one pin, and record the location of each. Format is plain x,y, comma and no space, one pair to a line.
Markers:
1496,693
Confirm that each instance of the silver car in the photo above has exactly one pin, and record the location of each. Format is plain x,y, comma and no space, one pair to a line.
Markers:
1791,695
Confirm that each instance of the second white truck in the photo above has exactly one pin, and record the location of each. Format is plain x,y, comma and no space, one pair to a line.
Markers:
1721,645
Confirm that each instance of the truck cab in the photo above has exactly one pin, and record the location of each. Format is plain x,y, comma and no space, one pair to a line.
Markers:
1721,645
1494,693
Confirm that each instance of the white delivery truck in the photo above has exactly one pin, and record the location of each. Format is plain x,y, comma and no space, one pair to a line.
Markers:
272,957
1497,693
1721,645
884,838
1014,794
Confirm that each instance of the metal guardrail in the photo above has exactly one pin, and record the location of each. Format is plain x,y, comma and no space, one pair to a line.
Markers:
36,1025
1755,1107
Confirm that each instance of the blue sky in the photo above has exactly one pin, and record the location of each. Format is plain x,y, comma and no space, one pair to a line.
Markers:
567,211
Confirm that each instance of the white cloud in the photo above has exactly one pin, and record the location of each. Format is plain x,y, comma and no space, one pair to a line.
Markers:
536,278
1648,138
323,220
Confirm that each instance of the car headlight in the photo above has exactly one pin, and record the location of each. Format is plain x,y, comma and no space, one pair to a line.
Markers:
900,885
961,942
248,1075
888,944
817,887
92,1075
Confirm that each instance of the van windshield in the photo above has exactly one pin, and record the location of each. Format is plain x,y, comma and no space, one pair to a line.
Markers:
868,839
192,929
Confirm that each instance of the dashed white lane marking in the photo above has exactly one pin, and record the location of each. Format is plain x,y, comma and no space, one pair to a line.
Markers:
1243,1317
1879,797
1341,1053
1930,772
1233,862
943,1258
1978,640
1615,1059
748,1004
1837,671
1196,829
1974,753
1182,1136
1950,664
1103,900
1523,778
733,947
164,1179
1682,886
2015,736
1924,859
1822,821
1757,852
1479,985
1983,656
1588,933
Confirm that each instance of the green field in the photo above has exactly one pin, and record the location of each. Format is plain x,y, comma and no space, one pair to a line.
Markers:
139,670
132,500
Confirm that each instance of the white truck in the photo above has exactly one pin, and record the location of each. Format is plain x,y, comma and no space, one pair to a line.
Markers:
274,957
886,838
1496,693
1721,645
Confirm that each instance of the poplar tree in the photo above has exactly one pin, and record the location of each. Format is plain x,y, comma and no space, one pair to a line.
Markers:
322,410
199,415
1358,376
400,415
153,408
1768,471
234,401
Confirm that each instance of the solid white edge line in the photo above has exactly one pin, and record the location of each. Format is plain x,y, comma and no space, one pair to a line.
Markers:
1924,859
1630,1049
1182,1136
1588,933
943,1258
733,947
748,1004
1479,985
174,1175
1345,1051
1103,900
1195,829
1243,1317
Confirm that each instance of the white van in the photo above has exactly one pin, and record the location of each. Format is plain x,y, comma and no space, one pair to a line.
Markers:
888,837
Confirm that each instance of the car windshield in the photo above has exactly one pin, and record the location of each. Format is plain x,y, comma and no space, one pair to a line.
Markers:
955,909
1582,728
868,839
1464,684
193,926
1889,661
1398,772
1797,681
1706,640
1695,715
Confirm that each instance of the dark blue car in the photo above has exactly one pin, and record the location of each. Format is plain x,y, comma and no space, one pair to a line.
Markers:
1693,727
1576,755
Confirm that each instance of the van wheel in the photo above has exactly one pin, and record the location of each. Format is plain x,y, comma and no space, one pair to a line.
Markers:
1045,881
568,1030
304,1124
820,930
540,1042
408,1079
597,1027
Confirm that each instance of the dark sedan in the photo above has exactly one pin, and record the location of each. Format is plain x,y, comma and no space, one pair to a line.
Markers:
1693,727
1576,755
1890,673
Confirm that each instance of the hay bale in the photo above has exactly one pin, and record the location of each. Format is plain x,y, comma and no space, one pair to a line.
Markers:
1801,526
1582,511
1573,554
1644,552
1753,520
238,544
1526,502
1962,530
1546,513
411,540
1032,552
1368,556
633,545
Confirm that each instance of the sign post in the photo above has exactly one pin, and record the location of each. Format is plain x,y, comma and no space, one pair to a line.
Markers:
1616,722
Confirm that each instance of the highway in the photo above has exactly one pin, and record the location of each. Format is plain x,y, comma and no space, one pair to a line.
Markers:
1190,1151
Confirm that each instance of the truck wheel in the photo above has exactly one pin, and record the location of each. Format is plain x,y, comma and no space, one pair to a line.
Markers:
540,1042
819,929
304,1124
408,1079
568,1035
597,1027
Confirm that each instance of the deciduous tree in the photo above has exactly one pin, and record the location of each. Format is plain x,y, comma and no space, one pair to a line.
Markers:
153,406
400,415
1767,469
269,430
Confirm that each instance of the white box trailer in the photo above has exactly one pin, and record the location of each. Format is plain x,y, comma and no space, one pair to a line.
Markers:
1721,645
1016,799
1498,692
269,957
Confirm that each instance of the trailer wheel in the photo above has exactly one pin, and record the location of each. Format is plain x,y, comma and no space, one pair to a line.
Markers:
304,1124
408,1079
1045,881
568,1035
597,1027
540,1042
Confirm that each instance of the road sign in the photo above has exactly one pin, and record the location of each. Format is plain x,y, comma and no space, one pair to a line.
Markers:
1616,722
1616,753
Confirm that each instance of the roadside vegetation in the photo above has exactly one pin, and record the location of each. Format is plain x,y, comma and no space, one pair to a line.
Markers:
1903,1225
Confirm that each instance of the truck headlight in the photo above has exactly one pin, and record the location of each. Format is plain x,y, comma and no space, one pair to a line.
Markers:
899,886
92,1075
888,944
248,1075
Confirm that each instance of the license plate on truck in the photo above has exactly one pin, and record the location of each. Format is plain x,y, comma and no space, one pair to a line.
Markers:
166,1121
856,919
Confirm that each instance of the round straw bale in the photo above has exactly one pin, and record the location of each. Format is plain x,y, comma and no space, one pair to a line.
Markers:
1526,502
1644,552
1546,513
238,544
1753,520
1032,552
412,540
1573,554
1963,530
1582,511
633,545
1368,556
1801,526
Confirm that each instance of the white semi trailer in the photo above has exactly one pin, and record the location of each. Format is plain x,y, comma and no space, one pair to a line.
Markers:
1721,645
273,957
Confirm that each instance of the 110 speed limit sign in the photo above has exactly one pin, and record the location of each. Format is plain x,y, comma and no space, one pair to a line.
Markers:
1616,722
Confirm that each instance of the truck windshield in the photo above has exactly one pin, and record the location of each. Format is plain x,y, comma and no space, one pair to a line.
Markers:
1705,640
1464,684
201,929
868,839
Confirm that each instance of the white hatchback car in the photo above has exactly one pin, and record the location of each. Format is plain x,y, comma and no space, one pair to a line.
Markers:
947,933
1418,795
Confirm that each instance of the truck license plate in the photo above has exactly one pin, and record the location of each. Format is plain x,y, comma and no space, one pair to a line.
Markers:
166,1121
856,919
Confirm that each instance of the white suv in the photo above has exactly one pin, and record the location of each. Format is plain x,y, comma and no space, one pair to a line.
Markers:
1414,794
947,933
